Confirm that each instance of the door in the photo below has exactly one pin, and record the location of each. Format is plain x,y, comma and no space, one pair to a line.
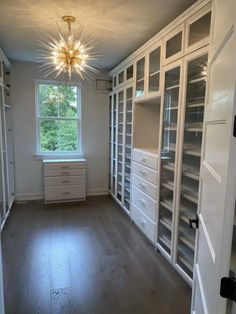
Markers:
218,169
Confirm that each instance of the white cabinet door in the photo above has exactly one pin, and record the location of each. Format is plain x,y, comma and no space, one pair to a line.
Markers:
218,170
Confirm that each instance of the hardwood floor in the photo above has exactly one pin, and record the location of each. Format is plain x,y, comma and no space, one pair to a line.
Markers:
85,258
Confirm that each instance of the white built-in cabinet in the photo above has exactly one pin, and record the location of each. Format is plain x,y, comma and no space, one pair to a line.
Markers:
120,141
7,180
155,163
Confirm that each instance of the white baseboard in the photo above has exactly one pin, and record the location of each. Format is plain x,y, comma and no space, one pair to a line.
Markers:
93,192
29,197
38,196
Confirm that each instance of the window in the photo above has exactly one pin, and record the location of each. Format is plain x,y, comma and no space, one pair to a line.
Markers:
58,118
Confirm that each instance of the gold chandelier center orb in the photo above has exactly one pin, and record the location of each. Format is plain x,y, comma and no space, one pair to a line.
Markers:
68,18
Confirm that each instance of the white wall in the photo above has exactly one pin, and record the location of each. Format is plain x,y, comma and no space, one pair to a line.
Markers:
28,170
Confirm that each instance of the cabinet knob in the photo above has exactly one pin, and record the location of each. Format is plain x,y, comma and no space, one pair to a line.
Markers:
142,203
142,186
143,159
143,173
65,173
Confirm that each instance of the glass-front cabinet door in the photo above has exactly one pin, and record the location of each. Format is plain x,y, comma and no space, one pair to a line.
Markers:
2,197
140,79
171,109
120,147
174,45
128,143
154,58
114,143
110,144
198,29
196,68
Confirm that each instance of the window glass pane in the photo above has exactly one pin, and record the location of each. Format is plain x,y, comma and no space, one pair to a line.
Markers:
67,101
58,100
58,135
48,100
68,135
49,131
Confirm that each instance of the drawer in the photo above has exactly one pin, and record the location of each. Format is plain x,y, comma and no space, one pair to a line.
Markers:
64,165
145,186
66,172
64,180
56,193
143,222
144,202
144,172
144,158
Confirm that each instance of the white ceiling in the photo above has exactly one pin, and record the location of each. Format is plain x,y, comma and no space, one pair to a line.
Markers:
118,26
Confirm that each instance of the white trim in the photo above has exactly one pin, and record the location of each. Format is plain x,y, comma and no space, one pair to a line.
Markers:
78,119
28,197
93,192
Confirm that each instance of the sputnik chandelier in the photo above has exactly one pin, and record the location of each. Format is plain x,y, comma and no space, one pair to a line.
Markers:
68,55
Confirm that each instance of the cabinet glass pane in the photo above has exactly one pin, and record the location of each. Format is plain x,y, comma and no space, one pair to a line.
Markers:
140,77
200,29
121,77
114,81
1,187
174,45
154,70
120,147
114,134
110,142
128,139
168,157
1,71
194,113
130,72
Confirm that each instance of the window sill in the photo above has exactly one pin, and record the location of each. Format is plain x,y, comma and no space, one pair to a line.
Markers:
57,156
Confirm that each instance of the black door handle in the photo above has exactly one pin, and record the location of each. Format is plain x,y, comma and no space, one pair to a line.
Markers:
194,223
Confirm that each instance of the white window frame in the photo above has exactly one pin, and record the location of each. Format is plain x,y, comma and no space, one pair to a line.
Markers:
42,154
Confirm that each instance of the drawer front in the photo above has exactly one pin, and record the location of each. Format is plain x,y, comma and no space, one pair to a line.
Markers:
145,186
145,159
144,203
144,172
66,172
64,180
144,223
54,193
64,165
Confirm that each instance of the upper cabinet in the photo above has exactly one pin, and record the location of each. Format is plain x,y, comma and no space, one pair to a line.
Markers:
174,45
154,67
198,29
148,73
123,77
140,78
1,71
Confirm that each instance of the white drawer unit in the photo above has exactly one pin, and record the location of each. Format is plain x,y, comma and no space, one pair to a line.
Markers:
144,172
144,203
145,186
144,223
146,158
64,180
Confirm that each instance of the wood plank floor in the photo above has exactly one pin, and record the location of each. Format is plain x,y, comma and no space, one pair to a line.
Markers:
85,258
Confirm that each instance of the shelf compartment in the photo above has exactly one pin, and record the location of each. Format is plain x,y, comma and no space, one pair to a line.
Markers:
166,223
169,185
167,204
